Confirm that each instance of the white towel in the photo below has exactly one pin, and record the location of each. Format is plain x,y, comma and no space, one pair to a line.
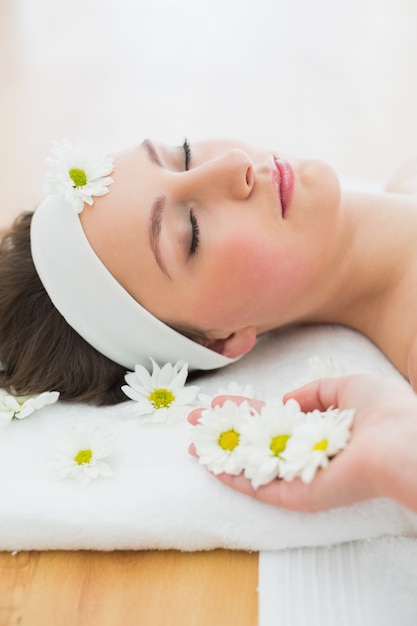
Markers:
160,497
360,583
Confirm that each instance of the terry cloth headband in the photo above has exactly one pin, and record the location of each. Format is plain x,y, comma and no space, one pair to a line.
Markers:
95,305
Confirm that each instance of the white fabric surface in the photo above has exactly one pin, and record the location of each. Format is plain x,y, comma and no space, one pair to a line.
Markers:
159,496
360,583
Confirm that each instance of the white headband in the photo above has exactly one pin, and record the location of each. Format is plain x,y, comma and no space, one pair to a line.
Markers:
95,305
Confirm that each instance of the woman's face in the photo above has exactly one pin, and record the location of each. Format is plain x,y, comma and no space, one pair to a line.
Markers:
219,236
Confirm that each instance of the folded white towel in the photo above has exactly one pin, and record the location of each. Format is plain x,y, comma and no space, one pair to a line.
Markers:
369,583
160,497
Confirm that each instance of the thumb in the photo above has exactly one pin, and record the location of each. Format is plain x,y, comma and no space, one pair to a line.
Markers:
319,394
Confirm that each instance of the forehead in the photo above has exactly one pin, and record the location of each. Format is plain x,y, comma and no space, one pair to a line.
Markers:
117,224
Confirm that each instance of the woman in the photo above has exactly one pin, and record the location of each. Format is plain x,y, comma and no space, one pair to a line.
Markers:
219,241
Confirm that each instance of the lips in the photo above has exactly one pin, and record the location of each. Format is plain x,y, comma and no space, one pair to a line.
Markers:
283,179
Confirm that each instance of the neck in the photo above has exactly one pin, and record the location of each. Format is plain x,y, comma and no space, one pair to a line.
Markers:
372,286
369,282
377,248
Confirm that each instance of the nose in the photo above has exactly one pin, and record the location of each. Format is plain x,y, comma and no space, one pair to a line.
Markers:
236,173
231,175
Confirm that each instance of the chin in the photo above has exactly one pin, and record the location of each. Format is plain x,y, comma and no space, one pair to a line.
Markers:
321,180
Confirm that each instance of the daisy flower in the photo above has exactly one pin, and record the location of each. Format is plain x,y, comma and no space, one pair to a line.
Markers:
19,407
232,389
265,438
8,407
315,442
217,436
161,396
80,454
78,173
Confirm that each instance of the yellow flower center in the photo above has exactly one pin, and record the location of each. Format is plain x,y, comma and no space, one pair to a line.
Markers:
161,398
78,177
321,445
83,457
278,444
228,440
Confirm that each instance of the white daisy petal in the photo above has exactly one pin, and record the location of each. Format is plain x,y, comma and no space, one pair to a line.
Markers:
143,378
265,437
79,454
204,401
235,389
25,410
19,407
78,173
317,440
217,437
181,377
165,375
43,399
160,396
131,393
280,441
8,408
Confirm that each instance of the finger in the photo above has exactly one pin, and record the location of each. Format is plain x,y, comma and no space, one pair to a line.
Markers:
360,391
194,416
319,394
295,495
255,404
322,493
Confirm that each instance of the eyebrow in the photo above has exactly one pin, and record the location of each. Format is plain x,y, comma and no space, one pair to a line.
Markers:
157,211
153,156
155,231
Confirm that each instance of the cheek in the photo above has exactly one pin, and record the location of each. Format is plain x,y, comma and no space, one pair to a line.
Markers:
252,284
244,262
237,284
258,267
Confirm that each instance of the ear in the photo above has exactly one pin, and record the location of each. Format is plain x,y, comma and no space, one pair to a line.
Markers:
236,344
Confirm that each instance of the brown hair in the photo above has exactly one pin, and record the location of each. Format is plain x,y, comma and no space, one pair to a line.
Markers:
39,351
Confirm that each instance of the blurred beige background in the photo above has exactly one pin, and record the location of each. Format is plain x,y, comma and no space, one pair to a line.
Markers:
326,78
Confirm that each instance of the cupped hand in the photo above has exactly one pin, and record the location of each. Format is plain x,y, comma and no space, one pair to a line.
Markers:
378,458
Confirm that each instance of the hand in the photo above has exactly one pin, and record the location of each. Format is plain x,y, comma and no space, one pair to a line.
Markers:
379,460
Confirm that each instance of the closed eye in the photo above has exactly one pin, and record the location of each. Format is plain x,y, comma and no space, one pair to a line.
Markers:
195,234
187,154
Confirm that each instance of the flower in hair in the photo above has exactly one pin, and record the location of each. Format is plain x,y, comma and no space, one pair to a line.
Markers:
161,396
78,173
79,454
19,407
